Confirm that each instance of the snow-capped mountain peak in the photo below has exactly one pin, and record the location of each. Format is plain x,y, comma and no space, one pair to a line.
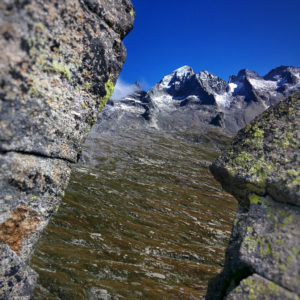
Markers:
183,72
185,99
179,75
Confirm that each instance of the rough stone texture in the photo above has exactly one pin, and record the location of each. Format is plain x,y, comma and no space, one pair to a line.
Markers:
59,61
265,155
262,170
257,287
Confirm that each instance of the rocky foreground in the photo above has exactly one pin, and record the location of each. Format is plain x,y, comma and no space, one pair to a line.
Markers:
59,61
262,170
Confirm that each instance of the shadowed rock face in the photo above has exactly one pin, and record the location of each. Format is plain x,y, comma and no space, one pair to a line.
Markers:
262,171
59,61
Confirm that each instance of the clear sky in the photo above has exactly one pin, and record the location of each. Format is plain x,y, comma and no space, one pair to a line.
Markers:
220,36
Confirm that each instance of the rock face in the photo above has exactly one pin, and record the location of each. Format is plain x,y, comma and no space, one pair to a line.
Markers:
262,170
184,100
59,61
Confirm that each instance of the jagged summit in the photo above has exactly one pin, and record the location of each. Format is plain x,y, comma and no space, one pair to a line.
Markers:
138,86
245,73
178,76
184,98
181,74
183,71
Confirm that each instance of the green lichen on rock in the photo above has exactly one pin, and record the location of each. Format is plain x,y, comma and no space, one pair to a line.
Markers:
254,199
266,249
266,154
132,13
109,89
256,287
288,220
61,69
86,86
258,133
262,170
94,121
33,198
53,70
269,243
250,241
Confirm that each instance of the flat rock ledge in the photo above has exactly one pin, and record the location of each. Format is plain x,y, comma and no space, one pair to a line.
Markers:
59,61
262,170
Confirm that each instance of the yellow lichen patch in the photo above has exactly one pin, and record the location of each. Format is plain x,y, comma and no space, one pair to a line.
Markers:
61,69
109,89
254,199
258,135
265,248
86,86
250,241
287,220
40,27
20,225
295,251
132,13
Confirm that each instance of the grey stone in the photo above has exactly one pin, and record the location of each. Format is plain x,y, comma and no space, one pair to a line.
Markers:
261,169
59,61
259,288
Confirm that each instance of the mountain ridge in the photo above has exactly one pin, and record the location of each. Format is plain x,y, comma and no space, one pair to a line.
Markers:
185,99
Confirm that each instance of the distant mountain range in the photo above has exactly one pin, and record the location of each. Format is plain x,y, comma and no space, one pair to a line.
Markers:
184,100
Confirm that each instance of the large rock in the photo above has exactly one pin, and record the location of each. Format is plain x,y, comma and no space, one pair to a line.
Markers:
262,170
59,61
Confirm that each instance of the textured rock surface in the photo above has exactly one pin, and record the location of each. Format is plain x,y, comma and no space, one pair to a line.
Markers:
257,287
262,171
59,61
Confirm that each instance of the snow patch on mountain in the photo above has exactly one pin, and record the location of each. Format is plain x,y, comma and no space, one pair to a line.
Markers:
261,84
232,87
223,100
164,102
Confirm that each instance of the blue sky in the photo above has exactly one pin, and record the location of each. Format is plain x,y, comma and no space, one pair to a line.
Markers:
219,36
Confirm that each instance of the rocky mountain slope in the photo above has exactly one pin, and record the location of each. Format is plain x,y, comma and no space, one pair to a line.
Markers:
59,61
262,171
184,100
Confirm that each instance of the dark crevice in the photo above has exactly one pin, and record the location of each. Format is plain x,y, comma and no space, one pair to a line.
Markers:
236,279
221,285
225,283
37,154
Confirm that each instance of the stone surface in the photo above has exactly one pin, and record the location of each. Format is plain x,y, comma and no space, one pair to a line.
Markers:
59,61
271,243
262,171
265,155
259,288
